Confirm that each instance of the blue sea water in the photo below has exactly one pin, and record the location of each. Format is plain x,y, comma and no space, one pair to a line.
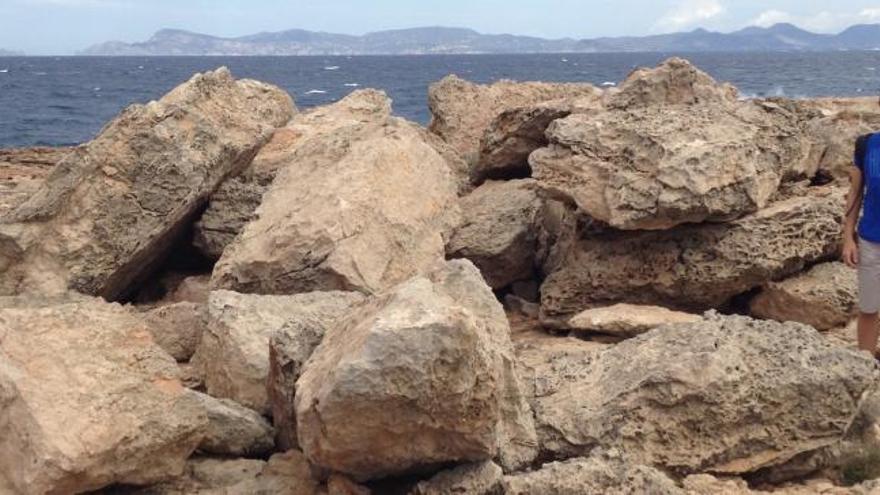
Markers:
63,101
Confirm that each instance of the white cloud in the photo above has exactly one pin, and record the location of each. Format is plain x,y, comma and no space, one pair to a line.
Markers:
823,22
690,13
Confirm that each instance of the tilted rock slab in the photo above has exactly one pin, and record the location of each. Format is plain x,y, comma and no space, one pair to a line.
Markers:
660,166
88,400
361,209
110,211
688,397
499,231
462,111
422,375
825,297
234,352
696,266
234,203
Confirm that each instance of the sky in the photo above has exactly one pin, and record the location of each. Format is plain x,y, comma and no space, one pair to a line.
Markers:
61,27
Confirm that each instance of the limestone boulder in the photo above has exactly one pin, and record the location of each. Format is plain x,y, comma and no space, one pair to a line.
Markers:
373,203
461,111
234,203
87,399
687,397
422,375
234,430
627,320
824,297
23,170
177,328
499,231
110,211
834,135
234,351
697,266
482,478
674,82
655,167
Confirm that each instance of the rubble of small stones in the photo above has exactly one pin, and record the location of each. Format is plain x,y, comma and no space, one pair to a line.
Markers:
544,291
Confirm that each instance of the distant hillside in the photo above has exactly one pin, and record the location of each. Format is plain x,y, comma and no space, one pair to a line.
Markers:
10,53
442,40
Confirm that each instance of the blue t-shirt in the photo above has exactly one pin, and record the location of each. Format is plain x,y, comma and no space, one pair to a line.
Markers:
867,158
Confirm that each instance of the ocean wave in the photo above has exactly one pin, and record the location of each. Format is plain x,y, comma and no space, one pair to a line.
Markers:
332,67
315,92
351,85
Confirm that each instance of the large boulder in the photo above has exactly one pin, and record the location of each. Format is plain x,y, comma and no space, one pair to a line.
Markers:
234,203
372,204
687,397
695,266
499,231
462,111
111,210
824,297
834,136
674,82
658,166
234,351
422,375
88,400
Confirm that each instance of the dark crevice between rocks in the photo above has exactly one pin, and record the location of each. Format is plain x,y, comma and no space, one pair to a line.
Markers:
402,485
518,171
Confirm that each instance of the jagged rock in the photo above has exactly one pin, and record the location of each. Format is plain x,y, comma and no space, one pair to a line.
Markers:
234,350
825,297
462,111
699,266
595,474
177,328
627,320
23,170
515,133
687,397
482,478
658,166
420,376
373,204
234,430
234,203
87,399
674,82
499,231
110,211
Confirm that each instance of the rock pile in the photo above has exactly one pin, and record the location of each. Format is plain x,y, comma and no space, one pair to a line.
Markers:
222,294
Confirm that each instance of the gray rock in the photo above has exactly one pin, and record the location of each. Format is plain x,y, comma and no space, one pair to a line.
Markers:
234,430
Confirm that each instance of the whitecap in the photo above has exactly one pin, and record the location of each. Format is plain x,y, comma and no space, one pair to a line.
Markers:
332,67
315,92
4,71
141,67
609,83
565,60
40,73
871,68
352,85
97,88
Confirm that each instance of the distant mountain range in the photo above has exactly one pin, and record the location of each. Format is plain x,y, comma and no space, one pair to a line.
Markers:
442,40
10,53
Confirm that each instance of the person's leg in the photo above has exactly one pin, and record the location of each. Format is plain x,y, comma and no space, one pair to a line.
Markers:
868,332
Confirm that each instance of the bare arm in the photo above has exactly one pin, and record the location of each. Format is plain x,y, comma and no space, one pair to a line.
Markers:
851,217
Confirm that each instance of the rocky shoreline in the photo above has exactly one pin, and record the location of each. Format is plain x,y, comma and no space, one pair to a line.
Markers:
554,288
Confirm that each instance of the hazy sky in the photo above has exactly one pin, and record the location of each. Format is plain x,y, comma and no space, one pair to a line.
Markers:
66,26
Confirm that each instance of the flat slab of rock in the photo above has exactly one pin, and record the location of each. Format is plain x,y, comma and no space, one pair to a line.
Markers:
88,400
234,352
687,397
627,320
110,211
695,267
373,202
422,375
499,231
462,111
824,297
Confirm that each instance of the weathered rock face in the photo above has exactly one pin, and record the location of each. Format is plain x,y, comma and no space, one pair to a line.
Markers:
234,203
177,328
110,210
696,266
422,375
674,82
234,350
594,474
87,399
373,204
824,297
692,402
499,231
834,137
483,478
627,320
659,166
234,430
23,170
462,111
515,133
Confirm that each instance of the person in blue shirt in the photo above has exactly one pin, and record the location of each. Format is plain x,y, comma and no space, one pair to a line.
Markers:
861,238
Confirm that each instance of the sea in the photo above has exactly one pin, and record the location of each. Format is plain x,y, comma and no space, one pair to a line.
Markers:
54,101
